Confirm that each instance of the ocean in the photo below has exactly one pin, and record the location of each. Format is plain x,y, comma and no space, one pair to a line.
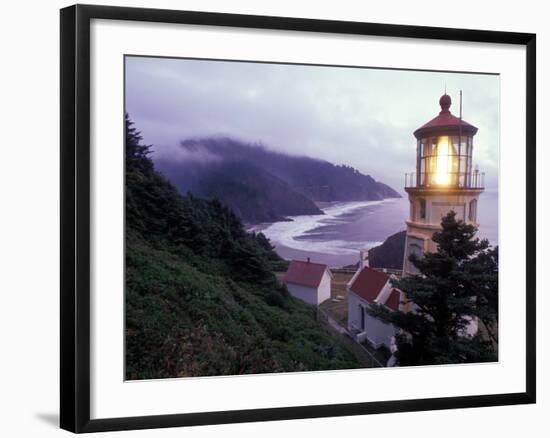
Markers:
346,228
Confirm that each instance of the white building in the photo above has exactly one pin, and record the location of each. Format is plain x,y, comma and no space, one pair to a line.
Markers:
311,282
445,179
368,287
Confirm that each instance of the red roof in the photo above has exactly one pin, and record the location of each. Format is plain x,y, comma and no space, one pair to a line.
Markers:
305,273
445,121
369,283
394,299
445,118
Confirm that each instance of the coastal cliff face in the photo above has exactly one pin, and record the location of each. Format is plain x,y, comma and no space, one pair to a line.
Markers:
390,254
265,186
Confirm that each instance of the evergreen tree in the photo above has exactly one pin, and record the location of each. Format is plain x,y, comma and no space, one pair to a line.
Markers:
455,284
137,154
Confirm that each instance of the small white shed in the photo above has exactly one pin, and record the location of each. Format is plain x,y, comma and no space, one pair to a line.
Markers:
311,282
367,287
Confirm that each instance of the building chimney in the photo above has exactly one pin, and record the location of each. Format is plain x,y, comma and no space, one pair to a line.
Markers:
363,259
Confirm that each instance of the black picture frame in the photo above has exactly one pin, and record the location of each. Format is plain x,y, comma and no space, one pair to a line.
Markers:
75,217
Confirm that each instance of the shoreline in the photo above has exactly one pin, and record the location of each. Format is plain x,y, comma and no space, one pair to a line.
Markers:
337,237
310,235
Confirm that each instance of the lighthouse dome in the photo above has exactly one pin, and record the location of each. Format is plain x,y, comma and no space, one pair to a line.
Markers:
445,123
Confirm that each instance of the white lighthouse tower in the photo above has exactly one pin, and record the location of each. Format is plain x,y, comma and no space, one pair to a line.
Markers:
444,180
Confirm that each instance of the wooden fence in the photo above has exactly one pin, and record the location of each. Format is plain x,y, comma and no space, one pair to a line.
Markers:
388,271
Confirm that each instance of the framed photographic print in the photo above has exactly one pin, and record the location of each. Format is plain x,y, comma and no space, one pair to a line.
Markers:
268,218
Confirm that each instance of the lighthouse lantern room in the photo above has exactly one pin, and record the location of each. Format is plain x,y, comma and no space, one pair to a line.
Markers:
444,180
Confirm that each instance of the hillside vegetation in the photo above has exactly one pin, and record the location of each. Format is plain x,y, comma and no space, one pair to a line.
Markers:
254,194
200,295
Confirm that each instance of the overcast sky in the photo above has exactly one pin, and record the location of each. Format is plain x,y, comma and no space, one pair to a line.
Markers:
363,117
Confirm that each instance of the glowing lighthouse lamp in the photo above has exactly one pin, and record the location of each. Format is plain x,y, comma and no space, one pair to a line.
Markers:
444,179
444,162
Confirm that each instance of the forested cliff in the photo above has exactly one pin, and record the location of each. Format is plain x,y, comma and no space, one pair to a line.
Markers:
261,185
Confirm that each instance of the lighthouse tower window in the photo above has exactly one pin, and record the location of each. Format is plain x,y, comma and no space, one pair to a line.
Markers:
472,214
422,209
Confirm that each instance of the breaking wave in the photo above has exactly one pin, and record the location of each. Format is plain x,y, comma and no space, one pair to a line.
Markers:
313,232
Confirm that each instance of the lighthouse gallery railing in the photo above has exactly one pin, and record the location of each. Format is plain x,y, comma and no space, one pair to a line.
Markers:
465,180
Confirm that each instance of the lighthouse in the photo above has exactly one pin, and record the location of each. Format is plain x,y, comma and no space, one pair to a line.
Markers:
445,179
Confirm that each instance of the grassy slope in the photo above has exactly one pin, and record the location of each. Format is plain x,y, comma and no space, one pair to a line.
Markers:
184,322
